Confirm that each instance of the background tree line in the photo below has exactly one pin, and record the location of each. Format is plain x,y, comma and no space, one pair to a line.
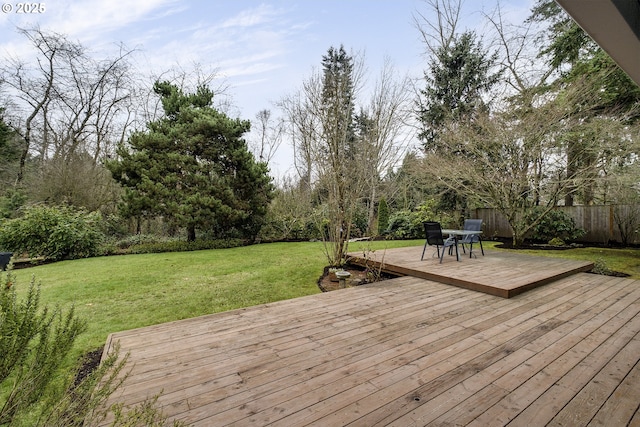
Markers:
523,117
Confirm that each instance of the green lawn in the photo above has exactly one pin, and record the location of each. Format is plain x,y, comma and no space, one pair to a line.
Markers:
124,292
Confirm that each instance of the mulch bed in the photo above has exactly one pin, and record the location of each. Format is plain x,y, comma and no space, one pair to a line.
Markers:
359,276
90,363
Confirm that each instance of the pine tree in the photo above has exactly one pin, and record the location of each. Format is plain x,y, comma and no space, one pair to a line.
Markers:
459,75
579,61
194,168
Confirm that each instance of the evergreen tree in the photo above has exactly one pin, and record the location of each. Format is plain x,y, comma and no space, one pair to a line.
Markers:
194,168
579,61
460,73
383,216
338,102
571,52
9,153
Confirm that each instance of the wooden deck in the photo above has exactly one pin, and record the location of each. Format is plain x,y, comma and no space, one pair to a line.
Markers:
402,352
500,273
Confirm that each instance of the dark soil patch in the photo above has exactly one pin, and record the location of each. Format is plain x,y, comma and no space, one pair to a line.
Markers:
537,246
610,273
90,363
27,263
533,245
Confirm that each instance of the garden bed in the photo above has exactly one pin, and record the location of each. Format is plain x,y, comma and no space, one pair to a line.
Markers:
359,276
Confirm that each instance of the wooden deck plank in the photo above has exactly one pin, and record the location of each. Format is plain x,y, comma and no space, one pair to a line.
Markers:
380,361
395,334
499,273
591,398
582,374
623,404
516,333
331,332
401,352
527,382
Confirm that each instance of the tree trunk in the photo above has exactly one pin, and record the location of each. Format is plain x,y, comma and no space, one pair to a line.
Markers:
191,233
517,240
372,212
572,159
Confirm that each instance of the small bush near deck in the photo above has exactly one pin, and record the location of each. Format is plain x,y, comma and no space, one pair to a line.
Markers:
601,267
556,241
34,343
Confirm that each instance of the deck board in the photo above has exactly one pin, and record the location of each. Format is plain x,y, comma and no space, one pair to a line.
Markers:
406,351
499,273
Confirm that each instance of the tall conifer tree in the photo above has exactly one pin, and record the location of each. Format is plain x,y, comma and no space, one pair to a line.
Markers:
194,168
459,74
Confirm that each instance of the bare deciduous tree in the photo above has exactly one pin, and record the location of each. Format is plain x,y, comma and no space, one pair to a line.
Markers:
495,160
301,126
385,132
442,32
268,136
65,101
343,153
68,109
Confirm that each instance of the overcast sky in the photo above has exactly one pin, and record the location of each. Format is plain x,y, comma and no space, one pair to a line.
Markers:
262,49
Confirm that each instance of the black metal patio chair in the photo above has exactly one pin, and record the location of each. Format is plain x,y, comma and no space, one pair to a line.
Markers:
433,234
470,239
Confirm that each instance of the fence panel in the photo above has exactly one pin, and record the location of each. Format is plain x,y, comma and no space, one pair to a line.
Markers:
597,221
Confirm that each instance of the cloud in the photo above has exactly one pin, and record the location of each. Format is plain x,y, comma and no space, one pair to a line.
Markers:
250,17
250,42
91,22
91,19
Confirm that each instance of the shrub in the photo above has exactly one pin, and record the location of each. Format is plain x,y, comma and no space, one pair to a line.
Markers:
291,217
401,226
428,211
600,267
556,241
555,224
173,245
11,202
359,222
408,224
141,239
36,386
53,232
33,343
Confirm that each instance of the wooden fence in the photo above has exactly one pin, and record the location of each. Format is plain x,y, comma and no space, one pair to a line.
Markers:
598,221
